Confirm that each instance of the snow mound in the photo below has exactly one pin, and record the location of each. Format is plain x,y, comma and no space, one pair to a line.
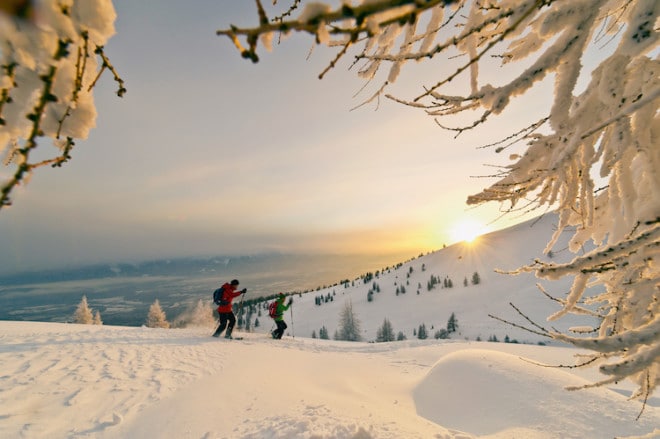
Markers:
484,392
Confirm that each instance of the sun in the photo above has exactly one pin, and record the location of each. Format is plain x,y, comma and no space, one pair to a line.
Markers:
467,231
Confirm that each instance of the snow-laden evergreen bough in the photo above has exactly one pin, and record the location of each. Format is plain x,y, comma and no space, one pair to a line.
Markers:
604,132
51,57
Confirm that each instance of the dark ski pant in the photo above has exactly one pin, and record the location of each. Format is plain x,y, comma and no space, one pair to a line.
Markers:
225,317
281,327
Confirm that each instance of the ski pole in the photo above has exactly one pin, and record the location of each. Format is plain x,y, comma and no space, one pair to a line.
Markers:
293,333
240,306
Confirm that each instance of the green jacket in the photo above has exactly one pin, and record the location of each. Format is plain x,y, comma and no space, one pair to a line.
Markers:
281,307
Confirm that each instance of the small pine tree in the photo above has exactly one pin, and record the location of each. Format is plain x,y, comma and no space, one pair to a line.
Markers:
400,336
156,317
97,318
452,323
314,333
441,334
421,332
201,315
349,325
323,333
476,279
83,314
385,333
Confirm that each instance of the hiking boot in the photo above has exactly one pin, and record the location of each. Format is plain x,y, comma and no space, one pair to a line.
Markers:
228,336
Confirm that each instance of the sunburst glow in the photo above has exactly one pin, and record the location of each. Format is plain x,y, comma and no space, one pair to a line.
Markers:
467,230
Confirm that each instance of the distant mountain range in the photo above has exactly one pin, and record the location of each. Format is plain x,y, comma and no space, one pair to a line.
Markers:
122,292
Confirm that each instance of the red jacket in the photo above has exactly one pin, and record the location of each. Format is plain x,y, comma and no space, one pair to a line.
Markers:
228,294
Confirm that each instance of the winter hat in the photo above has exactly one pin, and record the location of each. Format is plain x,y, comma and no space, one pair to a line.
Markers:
281,295
235,282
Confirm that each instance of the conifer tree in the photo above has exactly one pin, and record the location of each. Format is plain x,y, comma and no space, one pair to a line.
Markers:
385,332
421,332
83,314
202,314
452,323
97,318
349,325
156,317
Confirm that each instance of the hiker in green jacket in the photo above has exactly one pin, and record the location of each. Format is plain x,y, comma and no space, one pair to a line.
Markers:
278,317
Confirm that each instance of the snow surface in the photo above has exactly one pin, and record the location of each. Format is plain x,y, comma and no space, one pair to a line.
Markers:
64,380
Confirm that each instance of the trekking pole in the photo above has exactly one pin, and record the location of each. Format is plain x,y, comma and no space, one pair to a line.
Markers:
240,307
293,333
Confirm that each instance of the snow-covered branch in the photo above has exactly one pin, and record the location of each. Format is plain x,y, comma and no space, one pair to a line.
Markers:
49,67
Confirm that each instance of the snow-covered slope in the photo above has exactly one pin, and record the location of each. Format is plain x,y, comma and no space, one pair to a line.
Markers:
80,381
504,250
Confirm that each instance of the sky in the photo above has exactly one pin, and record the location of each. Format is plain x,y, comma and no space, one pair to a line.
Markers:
80,381
210,154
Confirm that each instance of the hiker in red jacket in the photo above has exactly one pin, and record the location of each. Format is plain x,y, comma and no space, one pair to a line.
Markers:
225,308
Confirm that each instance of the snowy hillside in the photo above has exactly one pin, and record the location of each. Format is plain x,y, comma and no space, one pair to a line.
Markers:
505,250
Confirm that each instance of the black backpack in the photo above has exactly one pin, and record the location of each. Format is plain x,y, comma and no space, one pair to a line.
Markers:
218,297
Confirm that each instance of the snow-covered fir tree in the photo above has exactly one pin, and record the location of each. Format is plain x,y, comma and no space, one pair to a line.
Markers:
97,318
83,314
156,317
593,156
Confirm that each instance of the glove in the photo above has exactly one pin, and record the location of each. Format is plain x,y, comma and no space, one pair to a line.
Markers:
290,301
244,290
